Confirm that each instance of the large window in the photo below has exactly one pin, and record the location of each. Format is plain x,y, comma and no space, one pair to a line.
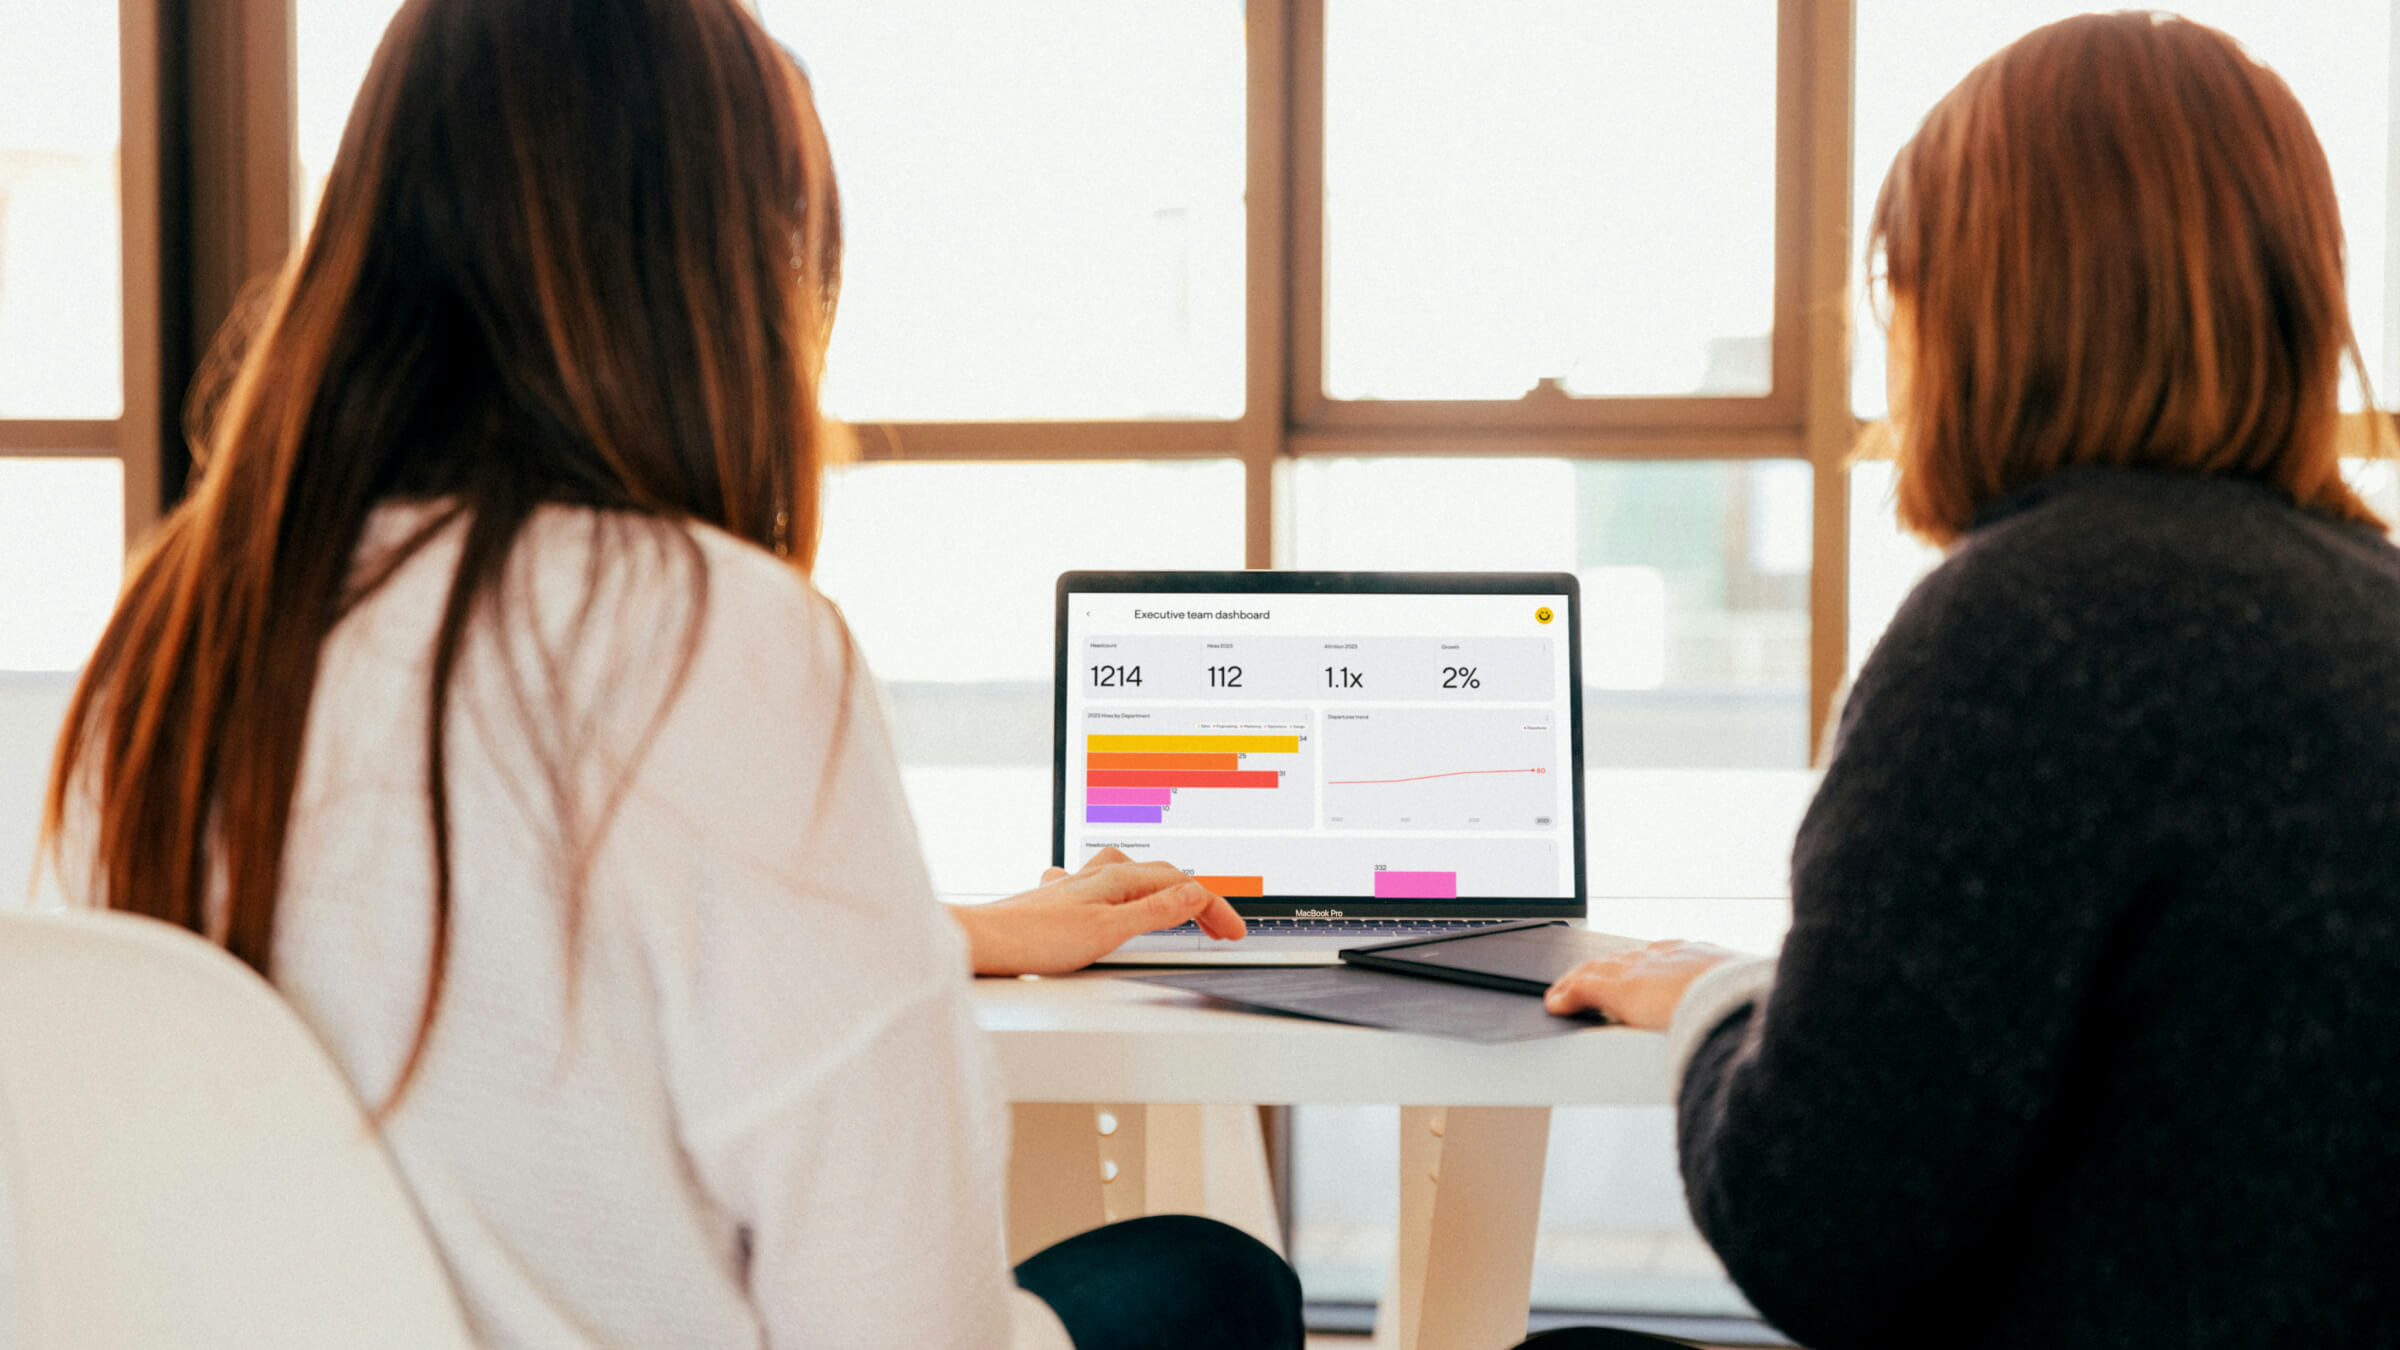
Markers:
65,494
1528,190
1043,203
60,316
61,330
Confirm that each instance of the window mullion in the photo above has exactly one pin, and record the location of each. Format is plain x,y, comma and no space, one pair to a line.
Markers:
1827,32
1267,273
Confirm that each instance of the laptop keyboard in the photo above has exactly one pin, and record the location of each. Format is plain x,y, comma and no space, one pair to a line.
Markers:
1391,928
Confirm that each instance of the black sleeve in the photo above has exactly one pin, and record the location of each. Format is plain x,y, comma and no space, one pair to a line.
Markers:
1848,1145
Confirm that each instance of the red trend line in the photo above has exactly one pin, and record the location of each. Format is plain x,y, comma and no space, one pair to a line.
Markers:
1462,773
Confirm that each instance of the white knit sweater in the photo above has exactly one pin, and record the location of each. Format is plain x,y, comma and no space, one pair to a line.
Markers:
747,1104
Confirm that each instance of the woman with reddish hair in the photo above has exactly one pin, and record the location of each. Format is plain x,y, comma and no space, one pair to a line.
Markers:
2083,1030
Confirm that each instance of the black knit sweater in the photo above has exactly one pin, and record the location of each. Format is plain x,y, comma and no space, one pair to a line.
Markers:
2087,1032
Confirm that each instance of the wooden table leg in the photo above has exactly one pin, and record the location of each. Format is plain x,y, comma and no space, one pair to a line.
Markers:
1470,1206
1053,1176
1238,1187
1077,1165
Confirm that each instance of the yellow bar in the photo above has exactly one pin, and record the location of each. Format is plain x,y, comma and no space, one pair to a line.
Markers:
1191,745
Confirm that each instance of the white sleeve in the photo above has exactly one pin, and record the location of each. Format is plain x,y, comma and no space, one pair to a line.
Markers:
834,1095
1719,993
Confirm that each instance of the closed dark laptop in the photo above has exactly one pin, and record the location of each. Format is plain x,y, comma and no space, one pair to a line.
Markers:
1525,958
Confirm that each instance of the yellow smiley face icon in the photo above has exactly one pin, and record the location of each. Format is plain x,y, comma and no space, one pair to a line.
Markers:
1542,615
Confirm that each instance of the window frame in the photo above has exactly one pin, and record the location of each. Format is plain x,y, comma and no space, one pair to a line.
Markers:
230,82
1286,415
204,205
130,436
1774,415
206,208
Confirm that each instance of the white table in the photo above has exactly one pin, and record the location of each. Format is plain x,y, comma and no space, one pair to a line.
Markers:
1134,1099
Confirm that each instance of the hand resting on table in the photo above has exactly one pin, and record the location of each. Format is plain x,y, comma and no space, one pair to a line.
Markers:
1638,988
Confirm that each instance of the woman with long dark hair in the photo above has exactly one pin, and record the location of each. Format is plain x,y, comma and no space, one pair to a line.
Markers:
478,698
2083,1031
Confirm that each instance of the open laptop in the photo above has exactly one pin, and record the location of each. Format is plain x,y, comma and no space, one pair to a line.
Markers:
1347,757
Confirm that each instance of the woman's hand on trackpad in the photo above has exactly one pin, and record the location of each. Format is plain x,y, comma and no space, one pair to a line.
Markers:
1074,918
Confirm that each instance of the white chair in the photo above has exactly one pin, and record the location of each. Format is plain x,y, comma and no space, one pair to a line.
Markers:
182,1165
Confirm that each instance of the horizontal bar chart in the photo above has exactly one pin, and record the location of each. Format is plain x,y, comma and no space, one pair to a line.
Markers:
1221,744
1416,885
1195,771
1233,888
1096,814
1252,778
1220,763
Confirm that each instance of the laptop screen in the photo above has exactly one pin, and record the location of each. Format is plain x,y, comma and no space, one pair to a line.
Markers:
1340,744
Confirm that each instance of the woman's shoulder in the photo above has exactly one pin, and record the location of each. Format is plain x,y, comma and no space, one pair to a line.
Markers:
636,591
583,545
2092,550
2115,587
609,636
728,692
2099,520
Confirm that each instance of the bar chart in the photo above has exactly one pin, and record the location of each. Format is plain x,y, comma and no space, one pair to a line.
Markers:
1198,767
1390,885
1378,869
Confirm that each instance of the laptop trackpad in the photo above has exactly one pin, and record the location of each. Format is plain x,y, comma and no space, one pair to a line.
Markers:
1184,939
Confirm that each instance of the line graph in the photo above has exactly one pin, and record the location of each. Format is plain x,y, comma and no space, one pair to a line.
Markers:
1444,769
1423,777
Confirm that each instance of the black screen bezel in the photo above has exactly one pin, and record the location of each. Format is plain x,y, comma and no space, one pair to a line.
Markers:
1342,583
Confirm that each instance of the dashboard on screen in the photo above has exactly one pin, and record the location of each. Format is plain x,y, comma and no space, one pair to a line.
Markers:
1346,744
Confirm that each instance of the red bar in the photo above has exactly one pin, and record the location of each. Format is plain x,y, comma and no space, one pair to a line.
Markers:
1243,778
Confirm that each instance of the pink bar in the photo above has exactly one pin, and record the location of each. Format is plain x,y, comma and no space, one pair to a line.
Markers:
1416,885
1129,796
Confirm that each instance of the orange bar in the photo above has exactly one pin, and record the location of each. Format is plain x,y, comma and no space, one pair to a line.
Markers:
1170,763
1230,887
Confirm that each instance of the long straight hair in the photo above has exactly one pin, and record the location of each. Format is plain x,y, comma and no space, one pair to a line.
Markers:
577,252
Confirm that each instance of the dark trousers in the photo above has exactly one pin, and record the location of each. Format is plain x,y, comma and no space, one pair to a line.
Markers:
1168,1282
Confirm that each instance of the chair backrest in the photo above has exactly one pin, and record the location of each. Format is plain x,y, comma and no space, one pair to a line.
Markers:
182,1165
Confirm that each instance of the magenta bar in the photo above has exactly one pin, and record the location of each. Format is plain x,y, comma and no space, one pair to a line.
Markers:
1416,885
1129,796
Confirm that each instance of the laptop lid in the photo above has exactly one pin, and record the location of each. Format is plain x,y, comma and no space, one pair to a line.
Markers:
1328,744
